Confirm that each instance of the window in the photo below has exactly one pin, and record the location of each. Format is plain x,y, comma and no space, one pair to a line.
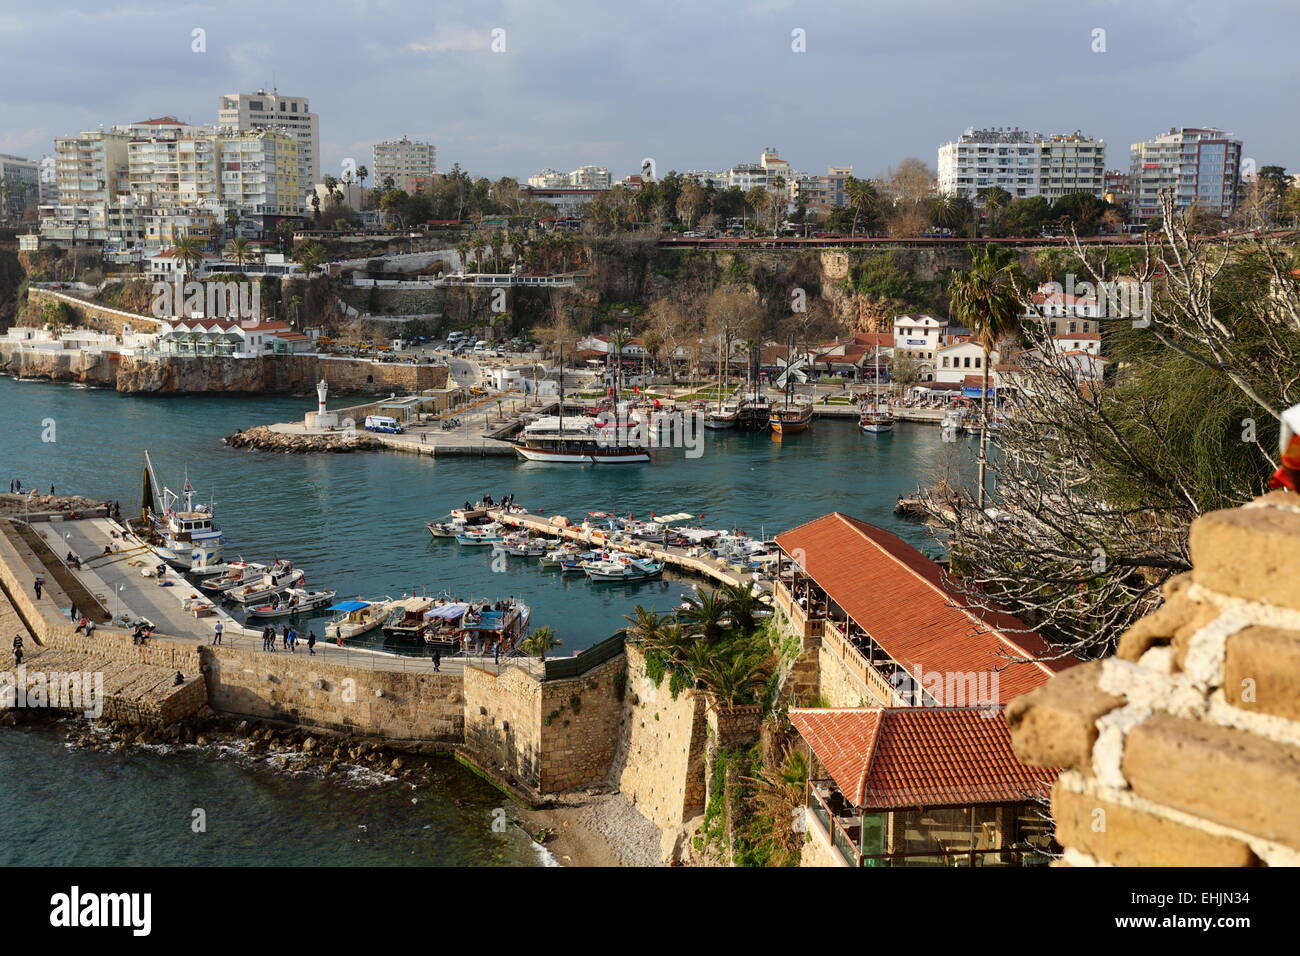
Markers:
977,361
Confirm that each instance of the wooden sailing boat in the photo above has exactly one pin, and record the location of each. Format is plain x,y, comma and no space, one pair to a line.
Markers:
874,419
790,418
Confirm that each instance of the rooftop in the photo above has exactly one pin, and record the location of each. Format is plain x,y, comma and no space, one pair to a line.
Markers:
887,758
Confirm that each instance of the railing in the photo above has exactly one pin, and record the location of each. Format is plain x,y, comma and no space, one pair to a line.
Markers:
845,843
568,667
833,637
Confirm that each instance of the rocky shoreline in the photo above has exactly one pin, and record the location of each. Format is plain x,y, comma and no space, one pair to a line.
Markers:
263,438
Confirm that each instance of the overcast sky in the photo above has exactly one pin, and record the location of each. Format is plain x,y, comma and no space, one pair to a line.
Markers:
695,85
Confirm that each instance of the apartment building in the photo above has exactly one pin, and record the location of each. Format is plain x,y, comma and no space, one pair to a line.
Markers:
177,170
410,163
263,110
590,177
259,174
549,179
92,167
1199,166
20,184
1023,163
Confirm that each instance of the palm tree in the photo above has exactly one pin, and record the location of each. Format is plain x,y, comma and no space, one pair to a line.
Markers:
238,249
187,249
619,340
706,614
734,679
540,641
309,255
986,299
780,789
741,605
645,626
863,199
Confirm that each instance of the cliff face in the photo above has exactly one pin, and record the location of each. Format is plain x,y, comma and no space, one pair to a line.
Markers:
69,366
208,373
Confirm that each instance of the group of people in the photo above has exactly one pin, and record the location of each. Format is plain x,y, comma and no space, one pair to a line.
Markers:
288,639
84,626
507,502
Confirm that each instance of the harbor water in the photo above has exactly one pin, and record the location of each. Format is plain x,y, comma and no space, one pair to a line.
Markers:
356,523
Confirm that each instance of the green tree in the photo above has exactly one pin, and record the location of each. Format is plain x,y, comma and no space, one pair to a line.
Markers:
238,249
540,641
987,299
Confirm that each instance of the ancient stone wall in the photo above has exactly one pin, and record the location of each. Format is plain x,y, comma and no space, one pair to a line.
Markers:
660,768
1184,748
545,736
400,706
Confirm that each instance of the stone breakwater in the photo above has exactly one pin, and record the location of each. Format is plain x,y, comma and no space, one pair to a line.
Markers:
262,438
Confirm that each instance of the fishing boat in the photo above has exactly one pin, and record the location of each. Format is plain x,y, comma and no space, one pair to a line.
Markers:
183,537
406,617
238,574
446,529
579,440
356,618
553,559
294,601
279,578
634,569
479,537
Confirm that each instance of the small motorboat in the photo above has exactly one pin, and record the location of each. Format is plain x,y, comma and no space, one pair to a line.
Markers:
406,617
239,574
293,601
278,579
635,569
479,538
357,618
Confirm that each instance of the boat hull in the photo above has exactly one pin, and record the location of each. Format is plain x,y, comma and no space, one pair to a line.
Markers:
631,456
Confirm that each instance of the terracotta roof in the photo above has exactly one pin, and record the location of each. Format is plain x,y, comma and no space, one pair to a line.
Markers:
162,121
874,338
904,757
1079,335
898,596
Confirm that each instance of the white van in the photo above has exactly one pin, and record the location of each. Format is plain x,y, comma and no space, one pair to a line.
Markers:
382,423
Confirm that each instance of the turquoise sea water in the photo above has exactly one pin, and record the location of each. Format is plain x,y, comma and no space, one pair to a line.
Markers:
356,523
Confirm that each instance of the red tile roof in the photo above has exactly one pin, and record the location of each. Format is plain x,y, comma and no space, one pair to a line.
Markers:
898,596
874,338
1079,335
905,757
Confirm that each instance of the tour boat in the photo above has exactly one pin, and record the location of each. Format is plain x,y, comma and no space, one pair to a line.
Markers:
876,420
293,601
406,617
480,623
278,579
788,419
356,618
579,440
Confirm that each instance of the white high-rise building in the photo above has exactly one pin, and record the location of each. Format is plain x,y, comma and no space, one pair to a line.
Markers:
263,110
590,177
549,179
411,164
1201,166
1023,163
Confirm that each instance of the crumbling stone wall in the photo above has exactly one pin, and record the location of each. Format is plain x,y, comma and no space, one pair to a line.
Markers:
1184,748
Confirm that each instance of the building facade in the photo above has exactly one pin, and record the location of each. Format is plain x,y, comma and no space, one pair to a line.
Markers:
1200,167
410,163
1023,163
263,110
20,184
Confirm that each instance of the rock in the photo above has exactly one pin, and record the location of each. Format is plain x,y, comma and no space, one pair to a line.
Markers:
396,764
309,745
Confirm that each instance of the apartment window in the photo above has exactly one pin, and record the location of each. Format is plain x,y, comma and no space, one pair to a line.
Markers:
966,362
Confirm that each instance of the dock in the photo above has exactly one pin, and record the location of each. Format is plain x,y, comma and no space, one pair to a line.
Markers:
679,559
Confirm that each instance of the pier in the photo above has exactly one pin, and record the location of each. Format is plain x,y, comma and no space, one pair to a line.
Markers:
680,559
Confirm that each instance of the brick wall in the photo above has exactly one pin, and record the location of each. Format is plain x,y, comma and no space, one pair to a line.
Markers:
1184,748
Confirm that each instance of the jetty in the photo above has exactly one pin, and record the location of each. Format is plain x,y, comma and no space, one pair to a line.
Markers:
681,559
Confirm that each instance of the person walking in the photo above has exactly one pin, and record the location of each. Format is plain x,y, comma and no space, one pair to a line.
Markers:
437,657
293,641
311,643
37,584
217,630
18,649
284,635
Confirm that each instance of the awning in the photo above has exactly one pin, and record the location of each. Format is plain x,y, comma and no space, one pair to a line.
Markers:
670,519
445,612
349,606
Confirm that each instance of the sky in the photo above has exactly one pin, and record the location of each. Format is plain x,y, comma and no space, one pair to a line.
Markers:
696,85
